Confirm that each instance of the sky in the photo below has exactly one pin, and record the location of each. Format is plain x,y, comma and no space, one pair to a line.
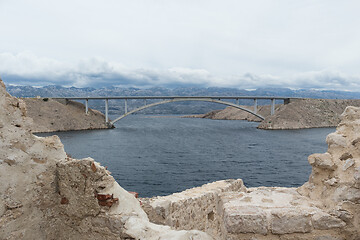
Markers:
181,43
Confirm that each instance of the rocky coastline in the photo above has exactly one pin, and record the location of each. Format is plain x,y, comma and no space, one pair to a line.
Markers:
46,194
298,114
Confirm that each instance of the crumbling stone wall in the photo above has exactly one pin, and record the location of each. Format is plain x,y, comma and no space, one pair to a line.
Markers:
335,179
195,208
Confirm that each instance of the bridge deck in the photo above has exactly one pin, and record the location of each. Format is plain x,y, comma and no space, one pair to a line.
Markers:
177,97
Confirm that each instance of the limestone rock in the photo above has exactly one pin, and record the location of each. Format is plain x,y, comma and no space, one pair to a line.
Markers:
245,220
323,220
349,163
357,175
336,140
290,221
323,161
2,207
195,208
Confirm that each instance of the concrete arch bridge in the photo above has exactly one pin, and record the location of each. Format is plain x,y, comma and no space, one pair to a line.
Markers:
170,99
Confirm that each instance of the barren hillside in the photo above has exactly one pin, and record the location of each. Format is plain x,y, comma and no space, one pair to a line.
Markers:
302,113
52,116
308,113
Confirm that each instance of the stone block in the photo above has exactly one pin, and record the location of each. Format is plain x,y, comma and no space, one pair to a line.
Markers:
324,221
285,221
245,219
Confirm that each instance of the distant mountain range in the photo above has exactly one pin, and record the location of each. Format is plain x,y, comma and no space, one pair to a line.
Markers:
117,106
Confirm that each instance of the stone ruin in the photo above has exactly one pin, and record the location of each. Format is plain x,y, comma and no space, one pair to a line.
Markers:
45,194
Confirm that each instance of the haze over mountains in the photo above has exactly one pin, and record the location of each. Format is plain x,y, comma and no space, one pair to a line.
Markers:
117,106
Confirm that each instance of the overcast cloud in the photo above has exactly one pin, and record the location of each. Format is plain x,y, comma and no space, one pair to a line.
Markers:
145,43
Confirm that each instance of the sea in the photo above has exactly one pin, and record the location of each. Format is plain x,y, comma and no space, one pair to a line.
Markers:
161,155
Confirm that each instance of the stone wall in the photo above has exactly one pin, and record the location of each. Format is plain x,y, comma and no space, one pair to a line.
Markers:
195,208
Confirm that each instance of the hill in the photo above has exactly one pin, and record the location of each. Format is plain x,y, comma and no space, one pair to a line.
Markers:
298,114
51,116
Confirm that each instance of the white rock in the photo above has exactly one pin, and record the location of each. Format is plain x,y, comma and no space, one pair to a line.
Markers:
331,181
349,162
284,221
245,220
324,221
336,140
323,161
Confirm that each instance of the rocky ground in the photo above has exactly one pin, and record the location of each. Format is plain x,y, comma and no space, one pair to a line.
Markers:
301,113
45,194
59,115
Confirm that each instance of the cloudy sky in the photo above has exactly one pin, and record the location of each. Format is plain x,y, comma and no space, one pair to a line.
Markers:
170,43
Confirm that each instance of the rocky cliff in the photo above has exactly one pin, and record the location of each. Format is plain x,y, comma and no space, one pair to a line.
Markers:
51,116
44,194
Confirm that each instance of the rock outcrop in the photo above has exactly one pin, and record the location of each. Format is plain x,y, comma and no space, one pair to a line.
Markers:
51,115
44,194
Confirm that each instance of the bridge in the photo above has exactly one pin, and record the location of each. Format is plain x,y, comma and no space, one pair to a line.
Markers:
170,99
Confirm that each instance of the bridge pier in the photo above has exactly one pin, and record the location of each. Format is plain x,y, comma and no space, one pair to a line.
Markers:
255,105
86,106
272,106
126,108
106,110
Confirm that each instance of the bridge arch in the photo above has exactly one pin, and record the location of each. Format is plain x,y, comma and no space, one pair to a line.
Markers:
186,99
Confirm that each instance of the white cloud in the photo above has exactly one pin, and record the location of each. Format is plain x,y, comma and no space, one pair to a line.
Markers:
29,69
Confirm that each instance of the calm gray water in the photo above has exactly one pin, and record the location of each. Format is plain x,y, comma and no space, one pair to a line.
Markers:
160,156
